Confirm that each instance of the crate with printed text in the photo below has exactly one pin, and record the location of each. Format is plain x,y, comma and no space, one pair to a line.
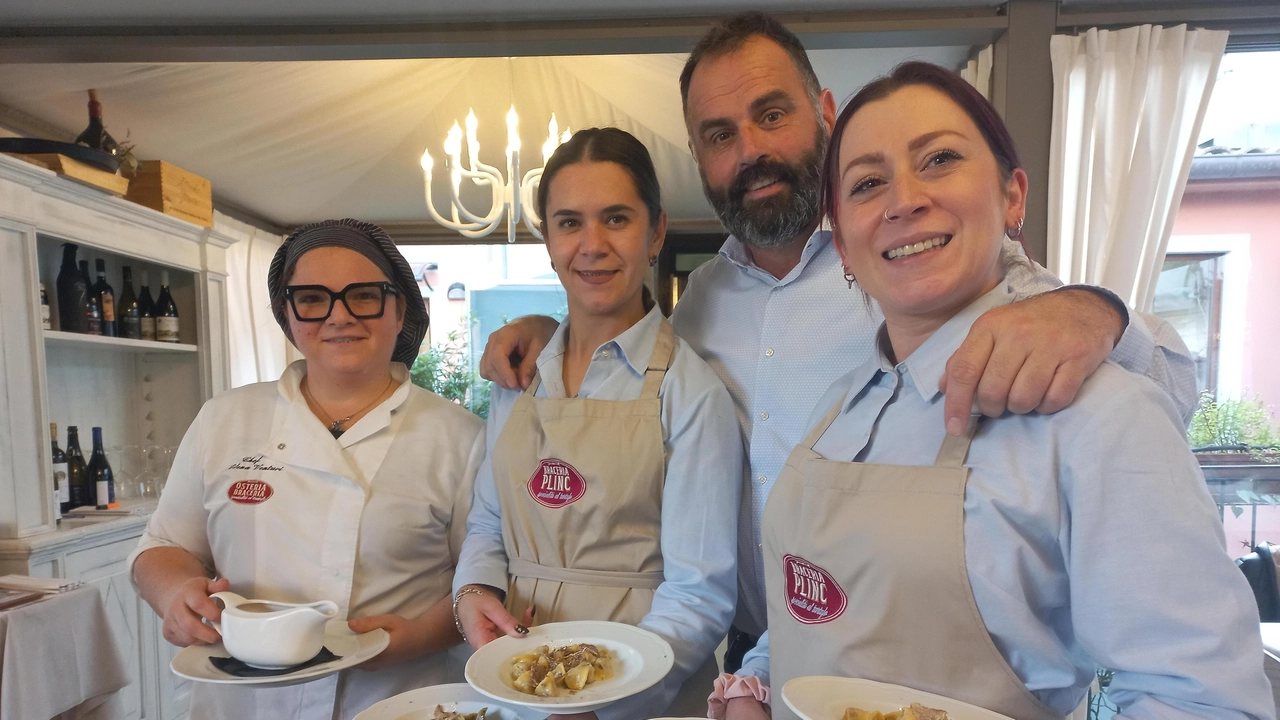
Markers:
173,191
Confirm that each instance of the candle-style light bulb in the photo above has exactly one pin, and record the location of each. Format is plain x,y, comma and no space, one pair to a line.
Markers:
564,136
552,143
473,145
453,142
513,132
427,163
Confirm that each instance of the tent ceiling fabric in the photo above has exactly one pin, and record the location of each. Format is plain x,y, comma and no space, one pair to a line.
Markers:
299,141
147,12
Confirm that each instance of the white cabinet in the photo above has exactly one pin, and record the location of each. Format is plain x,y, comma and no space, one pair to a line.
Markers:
140,393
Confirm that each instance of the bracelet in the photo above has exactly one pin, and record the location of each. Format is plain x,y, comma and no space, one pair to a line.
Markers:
456,622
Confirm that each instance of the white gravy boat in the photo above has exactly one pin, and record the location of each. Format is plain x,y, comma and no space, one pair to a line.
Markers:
272,635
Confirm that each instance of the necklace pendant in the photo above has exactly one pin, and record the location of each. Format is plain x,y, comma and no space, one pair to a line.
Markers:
335,426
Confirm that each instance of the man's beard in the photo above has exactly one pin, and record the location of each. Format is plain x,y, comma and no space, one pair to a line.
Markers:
775,220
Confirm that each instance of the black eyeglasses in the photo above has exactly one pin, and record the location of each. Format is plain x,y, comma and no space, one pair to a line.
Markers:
314,303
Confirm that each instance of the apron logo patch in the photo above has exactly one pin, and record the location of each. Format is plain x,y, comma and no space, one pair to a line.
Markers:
249,492
813,596
556,483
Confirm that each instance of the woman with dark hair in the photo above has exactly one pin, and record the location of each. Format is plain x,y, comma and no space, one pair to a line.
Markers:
611,486
1003,566
340,481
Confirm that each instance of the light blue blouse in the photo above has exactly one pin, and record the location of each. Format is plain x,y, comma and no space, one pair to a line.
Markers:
1090,535
694,605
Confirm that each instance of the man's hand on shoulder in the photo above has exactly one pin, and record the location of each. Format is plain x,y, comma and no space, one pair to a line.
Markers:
1030,355
511,355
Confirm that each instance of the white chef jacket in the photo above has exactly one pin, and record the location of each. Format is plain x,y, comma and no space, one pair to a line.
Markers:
373,521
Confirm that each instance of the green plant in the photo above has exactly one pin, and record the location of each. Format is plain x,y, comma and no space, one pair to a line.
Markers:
1242,426
445,369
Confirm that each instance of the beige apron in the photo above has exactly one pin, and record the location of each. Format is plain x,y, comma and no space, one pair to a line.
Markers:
580,483
866,578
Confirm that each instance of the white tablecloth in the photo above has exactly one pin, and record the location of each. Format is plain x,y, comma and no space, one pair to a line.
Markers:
59,656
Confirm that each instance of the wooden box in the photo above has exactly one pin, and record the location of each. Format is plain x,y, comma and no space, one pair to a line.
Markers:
79,172
173,191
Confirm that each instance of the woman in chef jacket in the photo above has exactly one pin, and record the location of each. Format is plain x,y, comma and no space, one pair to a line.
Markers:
611,487
1000,566
341,481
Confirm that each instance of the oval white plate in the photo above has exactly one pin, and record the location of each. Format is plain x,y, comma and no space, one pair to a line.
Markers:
192,662
421,704
826,698
640,659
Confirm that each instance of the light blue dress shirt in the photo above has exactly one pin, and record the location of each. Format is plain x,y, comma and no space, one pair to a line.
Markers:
694,605
1090,537
778,343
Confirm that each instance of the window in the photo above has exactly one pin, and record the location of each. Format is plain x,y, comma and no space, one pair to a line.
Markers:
1189,297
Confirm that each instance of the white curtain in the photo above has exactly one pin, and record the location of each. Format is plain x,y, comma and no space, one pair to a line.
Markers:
259,350
978,71
1127,109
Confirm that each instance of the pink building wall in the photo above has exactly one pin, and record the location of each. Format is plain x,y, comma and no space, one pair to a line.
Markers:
1247,208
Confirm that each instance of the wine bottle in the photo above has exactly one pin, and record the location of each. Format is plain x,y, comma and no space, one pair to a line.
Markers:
45,322
106,299
128,319
96,135
146,311
61,494
166,312
93,316
77,473
100,476
73,294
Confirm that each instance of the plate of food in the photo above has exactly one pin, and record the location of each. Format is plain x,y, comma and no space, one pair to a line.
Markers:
836,698
351,649
570,666
456,701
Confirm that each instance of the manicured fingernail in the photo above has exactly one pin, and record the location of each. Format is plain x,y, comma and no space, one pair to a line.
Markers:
955,426
522,630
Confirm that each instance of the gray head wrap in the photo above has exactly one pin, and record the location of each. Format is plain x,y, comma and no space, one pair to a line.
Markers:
370,241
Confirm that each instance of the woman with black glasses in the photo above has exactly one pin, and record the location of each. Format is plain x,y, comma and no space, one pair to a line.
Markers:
341,481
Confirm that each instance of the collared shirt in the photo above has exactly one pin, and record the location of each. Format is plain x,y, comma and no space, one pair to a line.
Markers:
264,496
778,343
1090,536
694,605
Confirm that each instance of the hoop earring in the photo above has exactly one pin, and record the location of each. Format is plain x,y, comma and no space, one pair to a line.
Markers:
1017,230
886,215
849,278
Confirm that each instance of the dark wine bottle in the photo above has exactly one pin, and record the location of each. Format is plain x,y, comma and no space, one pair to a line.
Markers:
77,473
100,477
46,323
73,294
106,299
166,312
128,319
147,310
93,316
61,493
96,135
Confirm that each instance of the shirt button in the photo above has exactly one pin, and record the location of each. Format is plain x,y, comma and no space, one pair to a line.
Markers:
768,353
764,415
280,446
760,479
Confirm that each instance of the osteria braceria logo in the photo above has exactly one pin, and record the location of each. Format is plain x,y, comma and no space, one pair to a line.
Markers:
249,492
813,596
556,483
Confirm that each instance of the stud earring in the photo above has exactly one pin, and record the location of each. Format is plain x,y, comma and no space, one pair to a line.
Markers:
849,278
653,261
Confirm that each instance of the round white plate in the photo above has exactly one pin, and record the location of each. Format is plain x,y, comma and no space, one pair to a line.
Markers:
421,704
640,659
826,698
192,662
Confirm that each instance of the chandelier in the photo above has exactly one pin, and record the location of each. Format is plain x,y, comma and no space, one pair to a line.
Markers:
513,197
